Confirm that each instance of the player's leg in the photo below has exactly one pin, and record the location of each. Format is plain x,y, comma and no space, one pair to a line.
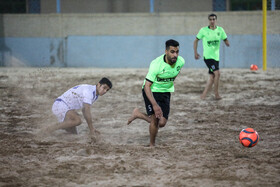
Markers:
211,64
162,122
216,72
164,103
154,126
163,100
216,84
208,86
71,120
153,130
72,130
68,119
136,114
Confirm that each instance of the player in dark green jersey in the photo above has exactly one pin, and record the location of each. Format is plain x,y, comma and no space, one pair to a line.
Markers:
211,36
157,86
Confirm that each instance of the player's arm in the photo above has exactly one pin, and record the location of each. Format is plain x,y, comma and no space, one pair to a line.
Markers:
87,115
195,43
224,37
148,91
226,42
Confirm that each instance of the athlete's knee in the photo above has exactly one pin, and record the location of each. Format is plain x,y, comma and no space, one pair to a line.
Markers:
162,123
77,121
217,73
211,78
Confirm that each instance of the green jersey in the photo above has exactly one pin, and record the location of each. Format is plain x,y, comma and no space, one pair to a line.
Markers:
211,41
162,74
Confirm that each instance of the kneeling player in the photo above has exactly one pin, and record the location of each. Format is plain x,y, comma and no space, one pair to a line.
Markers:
78,97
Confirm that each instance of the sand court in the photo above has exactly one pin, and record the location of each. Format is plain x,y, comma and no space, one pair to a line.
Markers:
199,146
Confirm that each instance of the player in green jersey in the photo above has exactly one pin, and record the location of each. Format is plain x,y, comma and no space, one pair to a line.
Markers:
156,89
211,36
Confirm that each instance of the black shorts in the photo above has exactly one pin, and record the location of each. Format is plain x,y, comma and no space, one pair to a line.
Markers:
212,65
162,99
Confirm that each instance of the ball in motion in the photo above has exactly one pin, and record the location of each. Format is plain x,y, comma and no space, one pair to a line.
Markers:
248,137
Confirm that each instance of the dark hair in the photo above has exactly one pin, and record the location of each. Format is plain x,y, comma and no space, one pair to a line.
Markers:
172,43
104,80
212,15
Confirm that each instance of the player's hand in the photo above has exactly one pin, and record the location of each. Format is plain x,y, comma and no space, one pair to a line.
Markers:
94,132
227,43
196,56
94,135
158,111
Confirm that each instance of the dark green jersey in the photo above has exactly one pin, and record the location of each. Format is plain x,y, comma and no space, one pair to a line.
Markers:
211,41
163,75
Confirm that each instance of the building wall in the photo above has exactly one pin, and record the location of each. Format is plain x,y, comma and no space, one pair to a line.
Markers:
63,25
130,40
125,6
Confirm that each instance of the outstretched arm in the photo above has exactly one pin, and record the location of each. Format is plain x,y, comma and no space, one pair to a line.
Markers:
195,43
226,42
148,91
87,115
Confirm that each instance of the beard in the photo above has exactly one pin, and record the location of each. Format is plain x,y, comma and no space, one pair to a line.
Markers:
172,60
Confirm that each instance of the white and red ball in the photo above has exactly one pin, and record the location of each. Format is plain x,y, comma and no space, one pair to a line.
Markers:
249,137
254,67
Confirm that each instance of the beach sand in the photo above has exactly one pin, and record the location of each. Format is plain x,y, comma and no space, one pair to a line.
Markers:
199,146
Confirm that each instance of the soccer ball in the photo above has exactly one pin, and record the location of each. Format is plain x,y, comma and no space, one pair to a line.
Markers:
248,137
254,67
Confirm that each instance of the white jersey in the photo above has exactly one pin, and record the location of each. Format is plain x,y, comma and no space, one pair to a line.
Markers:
76,96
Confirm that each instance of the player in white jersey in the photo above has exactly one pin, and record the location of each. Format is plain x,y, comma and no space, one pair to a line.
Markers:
78,97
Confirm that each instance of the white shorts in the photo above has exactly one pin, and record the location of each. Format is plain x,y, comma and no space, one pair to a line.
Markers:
60,109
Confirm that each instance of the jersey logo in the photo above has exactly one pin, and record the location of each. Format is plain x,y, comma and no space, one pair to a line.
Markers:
178,68
218,33
212,43
165,79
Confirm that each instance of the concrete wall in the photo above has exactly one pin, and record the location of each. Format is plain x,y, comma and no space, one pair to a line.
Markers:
125,6
63,25
130,40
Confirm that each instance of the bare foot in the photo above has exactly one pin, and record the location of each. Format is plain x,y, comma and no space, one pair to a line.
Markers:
217,97
133,116
202,97
152,145
72,130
